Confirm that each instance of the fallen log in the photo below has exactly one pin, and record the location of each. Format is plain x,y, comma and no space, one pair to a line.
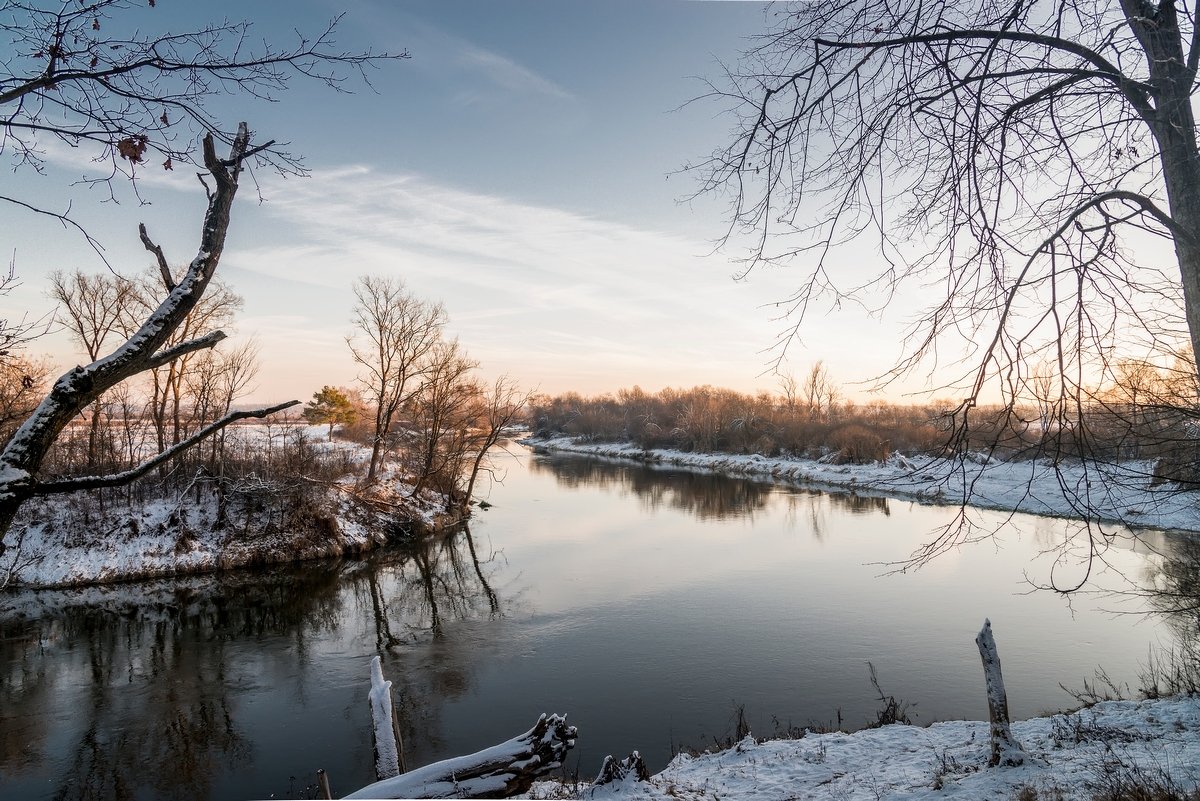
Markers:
501,771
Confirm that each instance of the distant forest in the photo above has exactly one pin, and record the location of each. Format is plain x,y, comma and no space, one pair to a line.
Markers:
1145,415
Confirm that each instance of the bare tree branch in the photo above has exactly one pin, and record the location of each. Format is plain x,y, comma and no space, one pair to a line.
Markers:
127,476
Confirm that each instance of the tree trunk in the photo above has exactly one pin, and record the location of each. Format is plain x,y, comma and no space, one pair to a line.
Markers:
501,771
389,757
1006,751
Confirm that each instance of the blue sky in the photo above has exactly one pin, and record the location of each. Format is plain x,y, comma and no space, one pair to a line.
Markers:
522,167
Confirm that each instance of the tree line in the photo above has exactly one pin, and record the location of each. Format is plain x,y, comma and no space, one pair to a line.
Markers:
1145,414
420,411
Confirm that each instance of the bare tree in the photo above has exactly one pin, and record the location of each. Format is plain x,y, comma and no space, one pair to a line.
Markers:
23,454
395,331
819,392
442,414
89,74
214,312
500,406
92,306
22,385
1007,152
1022,158
15,334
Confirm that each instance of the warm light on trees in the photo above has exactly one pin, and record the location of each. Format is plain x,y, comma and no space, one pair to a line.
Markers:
330,406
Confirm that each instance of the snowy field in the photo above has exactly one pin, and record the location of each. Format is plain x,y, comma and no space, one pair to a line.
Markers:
1075,756
1119,494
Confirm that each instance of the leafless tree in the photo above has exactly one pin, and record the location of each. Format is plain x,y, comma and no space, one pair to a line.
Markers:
92,307
23,454
442,414
394,333
1017,156
15,334
499,407
98,74
819,391
1003,150
214,312
22,385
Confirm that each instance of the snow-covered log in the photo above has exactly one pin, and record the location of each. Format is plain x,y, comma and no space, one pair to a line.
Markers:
1006,751
22,457
614,771
383,724
497,772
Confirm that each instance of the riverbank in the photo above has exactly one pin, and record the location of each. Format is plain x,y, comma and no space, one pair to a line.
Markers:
72,540
1120,494
1094,753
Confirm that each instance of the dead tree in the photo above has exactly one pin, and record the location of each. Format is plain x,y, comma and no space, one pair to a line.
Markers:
1006,751
389,750
22,457
501,771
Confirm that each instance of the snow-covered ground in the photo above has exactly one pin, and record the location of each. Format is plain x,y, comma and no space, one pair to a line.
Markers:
1109,493
56,544
1074,756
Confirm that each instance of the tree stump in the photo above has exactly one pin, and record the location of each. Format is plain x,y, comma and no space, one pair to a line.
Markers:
1006,751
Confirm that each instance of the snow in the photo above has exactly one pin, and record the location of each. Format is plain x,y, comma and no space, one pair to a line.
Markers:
387,758
1072,754
55,544
1119,494
485,774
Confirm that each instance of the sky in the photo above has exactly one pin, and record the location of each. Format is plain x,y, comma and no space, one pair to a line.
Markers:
525,167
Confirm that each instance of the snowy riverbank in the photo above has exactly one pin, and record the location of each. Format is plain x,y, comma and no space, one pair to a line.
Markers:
1109,493
1076,756
71,540
159,539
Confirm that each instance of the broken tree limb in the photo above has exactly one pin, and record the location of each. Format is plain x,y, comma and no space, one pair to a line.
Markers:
383,726
614,771
497,772
22,456
1006,751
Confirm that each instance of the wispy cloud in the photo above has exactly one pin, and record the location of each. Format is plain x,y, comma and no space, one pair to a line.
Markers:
508,74
536,289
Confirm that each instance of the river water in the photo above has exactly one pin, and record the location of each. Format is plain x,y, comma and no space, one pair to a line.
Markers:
647,604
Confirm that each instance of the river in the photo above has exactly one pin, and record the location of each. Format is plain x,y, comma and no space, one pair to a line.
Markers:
647,604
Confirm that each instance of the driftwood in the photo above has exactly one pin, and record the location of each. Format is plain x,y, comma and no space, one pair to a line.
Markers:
1006,751
614,771
497,772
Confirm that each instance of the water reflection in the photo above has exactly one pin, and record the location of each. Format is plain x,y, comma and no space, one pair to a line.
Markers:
706,495
1174,580
142,690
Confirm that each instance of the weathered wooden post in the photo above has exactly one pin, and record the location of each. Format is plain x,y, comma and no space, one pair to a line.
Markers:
323,788
1006,751
383,724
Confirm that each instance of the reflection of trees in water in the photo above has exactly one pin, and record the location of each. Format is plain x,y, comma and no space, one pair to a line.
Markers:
145,668
136,678
814,509
421,585
415,593
1175,582
709,496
